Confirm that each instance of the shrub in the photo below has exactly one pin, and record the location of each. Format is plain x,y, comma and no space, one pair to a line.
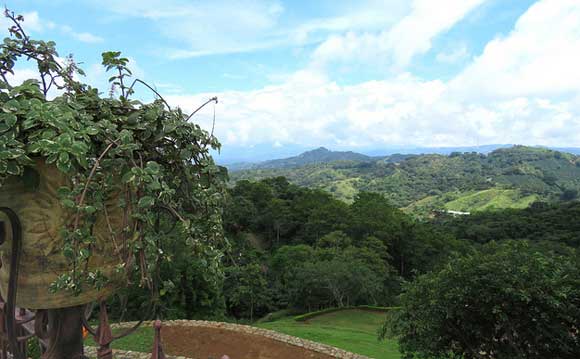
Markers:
508,301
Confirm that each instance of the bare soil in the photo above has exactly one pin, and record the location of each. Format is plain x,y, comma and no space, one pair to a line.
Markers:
213,343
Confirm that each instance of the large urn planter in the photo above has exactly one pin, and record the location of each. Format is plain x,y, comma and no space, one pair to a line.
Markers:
43,219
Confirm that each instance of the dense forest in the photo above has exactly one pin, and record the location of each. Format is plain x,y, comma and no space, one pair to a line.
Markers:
300,249
505,178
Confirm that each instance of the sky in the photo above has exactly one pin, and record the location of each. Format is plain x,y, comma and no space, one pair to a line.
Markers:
355,75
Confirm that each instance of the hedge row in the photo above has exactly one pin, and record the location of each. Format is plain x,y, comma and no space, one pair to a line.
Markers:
307,316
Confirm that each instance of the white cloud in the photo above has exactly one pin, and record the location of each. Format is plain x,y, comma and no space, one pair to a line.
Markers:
87,37
398,112
215,27
31,20
228,26
524,88
540,57
34,23
410,36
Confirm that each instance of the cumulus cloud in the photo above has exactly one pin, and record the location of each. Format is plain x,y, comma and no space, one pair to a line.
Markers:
397,45
523,88
398,112
539,57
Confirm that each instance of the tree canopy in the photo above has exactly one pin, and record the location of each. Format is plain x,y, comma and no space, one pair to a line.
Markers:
506,301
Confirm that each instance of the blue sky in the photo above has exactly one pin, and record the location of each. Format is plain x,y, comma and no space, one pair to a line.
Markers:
362,74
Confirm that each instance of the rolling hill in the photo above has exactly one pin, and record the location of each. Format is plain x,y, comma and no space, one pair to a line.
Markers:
511,177
316,156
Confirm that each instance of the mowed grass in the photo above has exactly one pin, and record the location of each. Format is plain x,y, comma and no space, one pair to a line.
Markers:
139,341
353,330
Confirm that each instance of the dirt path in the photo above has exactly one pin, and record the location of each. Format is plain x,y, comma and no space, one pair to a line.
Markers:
206,343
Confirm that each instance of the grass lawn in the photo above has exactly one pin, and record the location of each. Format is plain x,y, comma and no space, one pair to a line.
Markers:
140,341
353,330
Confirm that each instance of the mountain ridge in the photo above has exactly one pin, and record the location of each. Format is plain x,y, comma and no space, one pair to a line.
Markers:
323,154
513,177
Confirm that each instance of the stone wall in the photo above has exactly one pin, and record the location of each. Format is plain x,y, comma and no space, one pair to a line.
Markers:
246,329
91,352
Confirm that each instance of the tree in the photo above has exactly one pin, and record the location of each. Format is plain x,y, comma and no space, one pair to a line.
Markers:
569,194
336,240
506,301
245,289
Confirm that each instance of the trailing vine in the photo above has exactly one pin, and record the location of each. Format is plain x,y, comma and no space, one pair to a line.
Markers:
147,157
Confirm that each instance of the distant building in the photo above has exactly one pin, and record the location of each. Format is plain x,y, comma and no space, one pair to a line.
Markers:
446,212
458,213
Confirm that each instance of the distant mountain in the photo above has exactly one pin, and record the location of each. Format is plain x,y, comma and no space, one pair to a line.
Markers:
435,150
319,155
511,177
266,156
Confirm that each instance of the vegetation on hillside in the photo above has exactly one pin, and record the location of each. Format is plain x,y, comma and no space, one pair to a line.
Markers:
319,155
516,176
550,225
301,248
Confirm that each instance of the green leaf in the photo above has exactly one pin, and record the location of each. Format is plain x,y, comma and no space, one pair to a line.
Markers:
78,148
8,121
12,168
92,131
11,106
68,203
63,163
63,191
146,202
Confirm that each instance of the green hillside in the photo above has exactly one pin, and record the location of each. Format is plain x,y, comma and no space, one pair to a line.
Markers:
353,330
319,155
506,178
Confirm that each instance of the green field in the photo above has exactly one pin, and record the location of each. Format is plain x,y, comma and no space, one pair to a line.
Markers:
354,330
490,199
474,201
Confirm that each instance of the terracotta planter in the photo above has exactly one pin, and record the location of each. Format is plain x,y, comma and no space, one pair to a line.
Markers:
42,260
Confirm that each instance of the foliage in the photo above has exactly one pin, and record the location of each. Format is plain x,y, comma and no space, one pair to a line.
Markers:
317,252
507,301
319,155
555,225
246,289
517,175
33,350
148,155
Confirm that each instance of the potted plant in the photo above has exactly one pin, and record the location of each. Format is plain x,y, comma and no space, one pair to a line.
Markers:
91,177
